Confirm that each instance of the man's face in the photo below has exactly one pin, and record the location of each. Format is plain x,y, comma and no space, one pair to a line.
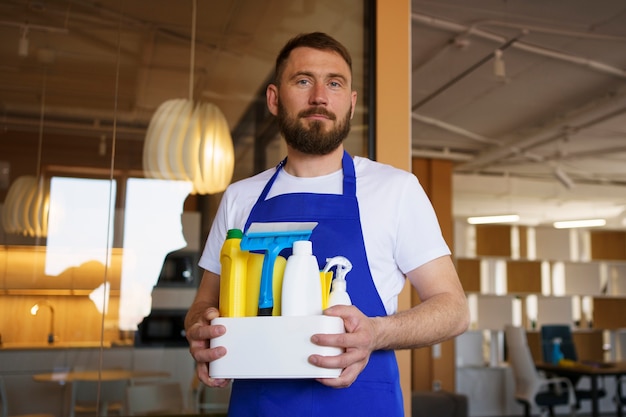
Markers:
314,102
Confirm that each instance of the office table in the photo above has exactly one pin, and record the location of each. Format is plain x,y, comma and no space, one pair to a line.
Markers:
593,370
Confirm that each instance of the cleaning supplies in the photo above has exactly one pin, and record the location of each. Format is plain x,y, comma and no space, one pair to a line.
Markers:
338,293
302,287
234,263
272,238
253,283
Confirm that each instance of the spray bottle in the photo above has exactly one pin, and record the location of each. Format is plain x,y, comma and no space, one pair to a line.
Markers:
338,293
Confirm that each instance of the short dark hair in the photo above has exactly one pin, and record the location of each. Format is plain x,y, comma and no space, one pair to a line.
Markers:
315,40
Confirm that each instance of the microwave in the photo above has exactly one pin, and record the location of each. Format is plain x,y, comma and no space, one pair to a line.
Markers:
180,269
162,328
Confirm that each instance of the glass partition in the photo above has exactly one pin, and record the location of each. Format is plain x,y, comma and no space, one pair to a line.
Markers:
98,257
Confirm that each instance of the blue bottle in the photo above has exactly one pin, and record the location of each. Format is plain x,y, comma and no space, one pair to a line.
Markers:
557,354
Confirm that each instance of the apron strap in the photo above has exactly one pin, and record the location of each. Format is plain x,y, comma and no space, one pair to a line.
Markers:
349,177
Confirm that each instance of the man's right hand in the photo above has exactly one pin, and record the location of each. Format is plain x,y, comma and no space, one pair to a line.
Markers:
199,335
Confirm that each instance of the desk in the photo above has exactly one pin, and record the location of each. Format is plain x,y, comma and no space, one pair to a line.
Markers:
594,372
64,377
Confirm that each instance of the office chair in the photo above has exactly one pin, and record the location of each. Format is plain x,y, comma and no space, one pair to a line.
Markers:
551,331
531,389
213,401
154,399
562,331
620,383
97,397
4,404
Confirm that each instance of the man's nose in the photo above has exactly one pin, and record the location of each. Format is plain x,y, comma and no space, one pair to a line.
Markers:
318,95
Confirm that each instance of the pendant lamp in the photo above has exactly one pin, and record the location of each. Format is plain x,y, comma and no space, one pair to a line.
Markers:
190,140
27,202
26,207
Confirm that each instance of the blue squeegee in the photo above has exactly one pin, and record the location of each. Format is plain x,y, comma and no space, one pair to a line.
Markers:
272,238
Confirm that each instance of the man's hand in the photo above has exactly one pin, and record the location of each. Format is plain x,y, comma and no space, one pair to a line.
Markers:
358,342
198,336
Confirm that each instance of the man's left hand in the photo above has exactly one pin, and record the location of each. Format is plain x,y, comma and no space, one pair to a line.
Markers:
358,343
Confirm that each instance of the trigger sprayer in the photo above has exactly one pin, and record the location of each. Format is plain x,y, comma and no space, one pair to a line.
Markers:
338,293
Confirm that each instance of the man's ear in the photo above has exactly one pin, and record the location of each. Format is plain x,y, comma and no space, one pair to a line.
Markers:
271,96
353,100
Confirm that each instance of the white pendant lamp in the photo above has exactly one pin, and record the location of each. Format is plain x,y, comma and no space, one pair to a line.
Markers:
26,207
27,202
190,141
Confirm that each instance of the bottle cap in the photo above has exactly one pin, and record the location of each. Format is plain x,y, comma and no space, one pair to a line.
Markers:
302,247
234,234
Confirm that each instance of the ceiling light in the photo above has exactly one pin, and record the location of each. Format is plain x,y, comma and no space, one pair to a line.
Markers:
579,223
564,178
22,45
505,218
499,68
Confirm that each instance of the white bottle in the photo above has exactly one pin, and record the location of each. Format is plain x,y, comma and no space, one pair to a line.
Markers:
302,287
339,292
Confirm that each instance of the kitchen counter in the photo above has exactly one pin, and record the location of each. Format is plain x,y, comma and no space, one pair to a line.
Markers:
60,345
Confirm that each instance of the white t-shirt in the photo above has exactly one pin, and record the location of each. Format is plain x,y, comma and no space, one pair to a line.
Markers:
400,229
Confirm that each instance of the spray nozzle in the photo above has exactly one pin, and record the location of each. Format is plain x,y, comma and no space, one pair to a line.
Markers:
343,267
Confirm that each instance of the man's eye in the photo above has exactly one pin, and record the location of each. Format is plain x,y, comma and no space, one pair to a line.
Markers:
303,82
335,84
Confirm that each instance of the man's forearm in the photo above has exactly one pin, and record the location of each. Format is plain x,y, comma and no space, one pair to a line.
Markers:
440,318
207,296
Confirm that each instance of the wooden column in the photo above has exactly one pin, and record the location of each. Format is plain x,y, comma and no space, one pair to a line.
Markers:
435,367
393,117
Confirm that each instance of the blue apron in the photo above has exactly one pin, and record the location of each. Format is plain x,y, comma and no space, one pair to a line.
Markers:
376,391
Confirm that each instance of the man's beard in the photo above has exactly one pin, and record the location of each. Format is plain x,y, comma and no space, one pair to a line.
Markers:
312,140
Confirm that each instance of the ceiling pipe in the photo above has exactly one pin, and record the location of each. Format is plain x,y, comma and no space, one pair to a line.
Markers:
507,43
454,129
27,125
445,155
552,31
30,26
522,147
538,50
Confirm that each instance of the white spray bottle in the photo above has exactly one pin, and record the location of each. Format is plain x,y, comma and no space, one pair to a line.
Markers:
338,293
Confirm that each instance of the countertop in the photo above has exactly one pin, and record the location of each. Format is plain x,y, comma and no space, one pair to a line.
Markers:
61,345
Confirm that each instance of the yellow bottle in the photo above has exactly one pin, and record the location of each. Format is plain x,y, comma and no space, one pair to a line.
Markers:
233,278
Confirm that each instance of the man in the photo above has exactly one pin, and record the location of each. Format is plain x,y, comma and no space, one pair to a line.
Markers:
375,215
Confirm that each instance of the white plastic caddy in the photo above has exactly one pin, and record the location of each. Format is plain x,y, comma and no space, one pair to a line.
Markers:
273,347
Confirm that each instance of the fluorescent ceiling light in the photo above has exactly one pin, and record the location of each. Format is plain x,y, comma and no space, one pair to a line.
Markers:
579,223
506,218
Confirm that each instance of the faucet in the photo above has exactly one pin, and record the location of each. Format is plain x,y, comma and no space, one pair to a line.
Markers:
35,309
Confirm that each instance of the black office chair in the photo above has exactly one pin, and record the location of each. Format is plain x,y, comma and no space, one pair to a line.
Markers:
562,331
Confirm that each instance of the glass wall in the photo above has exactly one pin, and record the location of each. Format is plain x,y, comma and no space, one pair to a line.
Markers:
97,254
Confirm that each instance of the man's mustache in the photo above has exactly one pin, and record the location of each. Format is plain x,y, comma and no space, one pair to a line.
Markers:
317,111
